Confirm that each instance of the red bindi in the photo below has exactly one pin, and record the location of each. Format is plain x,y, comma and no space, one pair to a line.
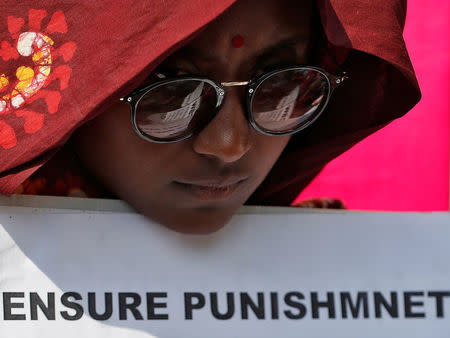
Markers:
238,41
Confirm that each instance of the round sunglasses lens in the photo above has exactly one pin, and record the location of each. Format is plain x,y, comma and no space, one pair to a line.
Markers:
289,100
175,109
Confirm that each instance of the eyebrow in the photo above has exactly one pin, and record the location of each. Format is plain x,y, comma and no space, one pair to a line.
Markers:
283,44
208,54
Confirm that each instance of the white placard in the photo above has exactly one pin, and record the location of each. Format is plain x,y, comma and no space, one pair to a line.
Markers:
96,274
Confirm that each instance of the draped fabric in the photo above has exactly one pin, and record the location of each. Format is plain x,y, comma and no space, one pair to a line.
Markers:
98,52
405,166
62,63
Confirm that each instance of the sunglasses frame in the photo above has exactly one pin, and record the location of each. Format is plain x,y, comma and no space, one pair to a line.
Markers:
133,99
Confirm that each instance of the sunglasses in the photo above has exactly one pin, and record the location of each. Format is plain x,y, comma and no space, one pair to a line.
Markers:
280,102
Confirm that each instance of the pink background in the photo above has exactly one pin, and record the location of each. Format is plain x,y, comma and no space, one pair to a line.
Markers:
405,166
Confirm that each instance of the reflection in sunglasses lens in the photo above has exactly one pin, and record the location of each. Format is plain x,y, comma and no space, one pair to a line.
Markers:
176,109
284,102
289,99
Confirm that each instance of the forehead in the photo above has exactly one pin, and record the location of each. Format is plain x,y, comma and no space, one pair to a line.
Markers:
262,24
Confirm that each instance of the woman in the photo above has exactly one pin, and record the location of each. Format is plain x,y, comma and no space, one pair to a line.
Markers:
268,66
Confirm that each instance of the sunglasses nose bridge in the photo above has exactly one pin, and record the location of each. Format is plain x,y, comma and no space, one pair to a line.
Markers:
224,85
226,137
234,83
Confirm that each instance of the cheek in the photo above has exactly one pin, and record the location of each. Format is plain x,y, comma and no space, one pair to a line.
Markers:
120,159
269,148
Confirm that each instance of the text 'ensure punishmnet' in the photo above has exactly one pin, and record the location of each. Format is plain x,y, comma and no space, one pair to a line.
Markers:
293,305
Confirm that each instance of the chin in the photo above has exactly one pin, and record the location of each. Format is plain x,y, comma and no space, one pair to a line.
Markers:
195,222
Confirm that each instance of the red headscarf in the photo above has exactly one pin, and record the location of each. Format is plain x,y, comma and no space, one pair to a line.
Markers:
62,64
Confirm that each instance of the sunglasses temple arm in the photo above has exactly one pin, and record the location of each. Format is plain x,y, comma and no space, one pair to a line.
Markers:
336,81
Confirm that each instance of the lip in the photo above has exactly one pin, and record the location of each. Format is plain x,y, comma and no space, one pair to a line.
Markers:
210,189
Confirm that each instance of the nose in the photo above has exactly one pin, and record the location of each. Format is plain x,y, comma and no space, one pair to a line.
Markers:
227,136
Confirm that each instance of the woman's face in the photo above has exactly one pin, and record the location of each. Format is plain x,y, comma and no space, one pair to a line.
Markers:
196,185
